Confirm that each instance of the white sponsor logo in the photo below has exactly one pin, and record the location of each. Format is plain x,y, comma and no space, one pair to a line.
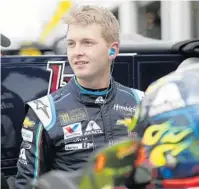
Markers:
100,100
80,146
93,128
27,135
167,98
129,109
76,140
112,142
73,130
22,156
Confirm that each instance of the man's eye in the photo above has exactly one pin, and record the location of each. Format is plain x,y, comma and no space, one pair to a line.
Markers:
88,43
70,44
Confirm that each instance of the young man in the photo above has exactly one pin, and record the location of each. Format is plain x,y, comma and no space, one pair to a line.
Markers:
63,129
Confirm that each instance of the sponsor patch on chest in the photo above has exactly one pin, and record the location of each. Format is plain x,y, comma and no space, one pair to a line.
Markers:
92,128
73,130
72,116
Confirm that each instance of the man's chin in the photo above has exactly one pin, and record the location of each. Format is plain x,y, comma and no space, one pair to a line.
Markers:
84,76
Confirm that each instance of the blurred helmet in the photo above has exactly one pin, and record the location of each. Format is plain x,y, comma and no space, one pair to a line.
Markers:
188,62
169,119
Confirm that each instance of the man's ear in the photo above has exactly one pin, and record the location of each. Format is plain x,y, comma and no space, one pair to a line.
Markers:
114,50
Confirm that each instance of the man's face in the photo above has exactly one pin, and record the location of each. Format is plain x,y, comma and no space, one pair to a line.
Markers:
87,51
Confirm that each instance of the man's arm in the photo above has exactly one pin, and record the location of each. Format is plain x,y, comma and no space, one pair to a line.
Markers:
31,162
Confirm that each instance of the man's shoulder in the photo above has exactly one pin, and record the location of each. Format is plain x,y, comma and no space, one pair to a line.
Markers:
44,109
139,94
61,94
135,93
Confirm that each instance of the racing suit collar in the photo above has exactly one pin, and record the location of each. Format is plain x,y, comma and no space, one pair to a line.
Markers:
90,92
92,97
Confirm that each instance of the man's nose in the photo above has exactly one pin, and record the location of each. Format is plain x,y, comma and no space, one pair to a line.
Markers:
78,51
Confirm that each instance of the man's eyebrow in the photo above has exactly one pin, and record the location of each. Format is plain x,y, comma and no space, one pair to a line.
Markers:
88,39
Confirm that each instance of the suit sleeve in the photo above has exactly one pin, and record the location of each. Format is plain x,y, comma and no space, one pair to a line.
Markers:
139,95
33,150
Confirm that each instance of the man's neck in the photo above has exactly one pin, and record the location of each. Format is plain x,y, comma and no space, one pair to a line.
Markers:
96,83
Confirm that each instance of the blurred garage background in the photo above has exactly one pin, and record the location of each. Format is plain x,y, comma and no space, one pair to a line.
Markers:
38,25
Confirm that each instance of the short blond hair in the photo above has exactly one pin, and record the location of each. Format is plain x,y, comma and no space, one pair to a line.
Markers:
86,15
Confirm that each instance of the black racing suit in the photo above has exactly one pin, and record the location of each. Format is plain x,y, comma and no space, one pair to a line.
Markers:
63,129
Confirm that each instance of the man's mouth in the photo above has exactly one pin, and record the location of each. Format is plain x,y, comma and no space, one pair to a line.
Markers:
81,63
